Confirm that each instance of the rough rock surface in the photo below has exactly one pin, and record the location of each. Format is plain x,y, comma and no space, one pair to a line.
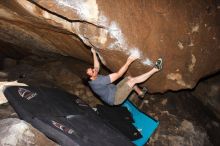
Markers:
185,33
183,121
208,92
59,72
185,134
15,132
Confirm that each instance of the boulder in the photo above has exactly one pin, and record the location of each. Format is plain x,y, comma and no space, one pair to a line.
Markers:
15,132
186,34
181,133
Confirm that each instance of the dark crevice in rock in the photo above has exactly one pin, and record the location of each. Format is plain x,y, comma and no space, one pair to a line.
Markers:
12,51
204,79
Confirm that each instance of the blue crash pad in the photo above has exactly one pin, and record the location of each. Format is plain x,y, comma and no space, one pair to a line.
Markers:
145,124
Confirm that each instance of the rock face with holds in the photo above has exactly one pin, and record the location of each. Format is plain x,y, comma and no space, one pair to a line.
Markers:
186,34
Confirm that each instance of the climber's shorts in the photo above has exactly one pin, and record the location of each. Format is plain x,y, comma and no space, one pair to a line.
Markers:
122,91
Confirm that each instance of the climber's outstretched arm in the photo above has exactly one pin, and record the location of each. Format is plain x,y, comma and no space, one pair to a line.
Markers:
122,70
95,60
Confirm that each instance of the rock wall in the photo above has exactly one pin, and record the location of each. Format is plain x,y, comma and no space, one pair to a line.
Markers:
185,33
55,72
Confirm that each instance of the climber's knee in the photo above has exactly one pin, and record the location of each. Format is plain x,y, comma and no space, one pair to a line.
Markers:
131,82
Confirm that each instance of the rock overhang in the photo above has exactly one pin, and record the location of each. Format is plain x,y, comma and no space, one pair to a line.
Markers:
184,33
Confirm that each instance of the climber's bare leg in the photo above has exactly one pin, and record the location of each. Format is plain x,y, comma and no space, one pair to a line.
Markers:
139,79
137,90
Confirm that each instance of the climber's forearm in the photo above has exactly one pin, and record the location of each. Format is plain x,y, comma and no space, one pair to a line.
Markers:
96,61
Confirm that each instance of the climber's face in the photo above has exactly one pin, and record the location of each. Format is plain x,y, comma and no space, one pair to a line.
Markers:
91,72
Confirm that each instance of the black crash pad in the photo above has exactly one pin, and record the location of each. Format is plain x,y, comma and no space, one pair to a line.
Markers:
120,118
63,117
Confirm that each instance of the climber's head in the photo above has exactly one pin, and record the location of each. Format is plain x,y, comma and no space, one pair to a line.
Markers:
92,73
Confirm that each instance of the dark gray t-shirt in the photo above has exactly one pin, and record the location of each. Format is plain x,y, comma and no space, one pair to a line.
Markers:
103,87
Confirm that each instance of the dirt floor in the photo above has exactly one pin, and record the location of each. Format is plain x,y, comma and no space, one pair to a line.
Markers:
184,121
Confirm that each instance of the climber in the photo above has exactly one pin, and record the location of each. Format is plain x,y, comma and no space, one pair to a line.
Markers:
116,94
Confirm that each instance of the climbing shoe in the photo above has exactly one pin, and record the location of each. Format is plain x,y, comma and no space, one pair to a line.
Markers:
159,64
144,92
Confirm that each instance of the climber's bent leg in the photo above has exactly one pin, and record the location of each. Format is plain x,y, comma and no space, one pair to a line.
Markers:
139,79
